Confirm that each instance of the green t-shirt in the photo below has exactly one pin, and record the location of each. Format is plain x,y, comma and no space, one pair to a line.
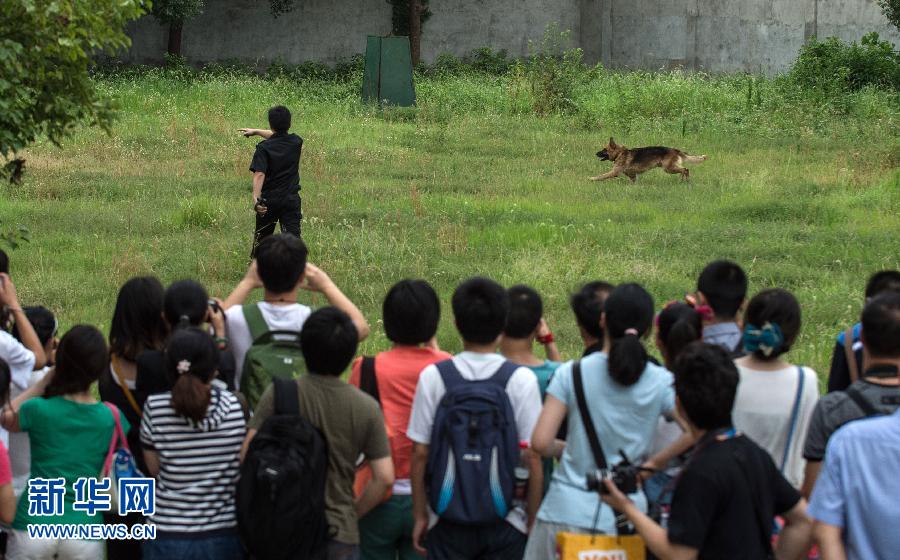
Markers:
352,424
68,440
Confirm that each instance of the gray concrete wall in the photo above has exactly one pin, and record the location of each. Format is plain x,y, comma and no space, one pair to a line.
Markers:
761,36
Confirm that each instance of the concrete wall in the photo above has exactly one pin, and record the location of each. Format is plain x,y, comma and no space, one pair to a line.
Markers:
761,36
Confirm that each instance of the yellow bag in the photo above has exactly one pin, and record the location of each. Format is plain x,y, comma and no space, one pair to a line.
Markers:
574,546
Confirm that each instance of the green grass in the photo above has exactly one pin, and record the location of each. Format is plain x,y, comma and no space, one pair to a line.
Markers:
803,191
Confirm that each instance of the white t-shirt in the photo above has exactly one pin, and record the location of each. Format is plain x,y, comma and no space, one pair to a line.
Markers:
21,364
762,411
19,444
279,318
522,389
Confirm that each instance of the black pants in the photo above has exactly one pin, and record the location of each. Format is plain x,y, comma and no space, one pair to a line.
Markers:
450,541
284,210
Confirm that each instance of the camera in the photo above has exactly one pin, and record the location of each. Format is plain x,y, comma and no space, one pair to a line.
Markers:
624,475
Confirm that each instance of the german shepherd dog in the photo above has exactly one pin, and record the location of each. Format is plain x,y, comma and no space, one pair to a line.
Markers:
633,162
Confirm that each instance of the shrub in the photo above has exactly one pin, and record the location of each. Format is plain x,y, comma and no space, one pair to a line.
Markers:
834,66
554,72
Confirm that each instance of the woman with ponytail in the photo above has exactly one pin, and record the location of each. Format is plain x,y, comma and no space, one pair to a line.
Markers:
625,394
191,438
69,434
775,399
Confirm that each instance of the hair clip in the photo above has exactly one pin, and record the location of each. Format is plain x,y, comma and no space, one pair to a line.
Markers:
183,367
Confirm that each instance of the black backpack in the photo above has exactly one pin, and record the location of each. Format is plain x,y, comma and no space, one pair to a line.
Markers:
280,497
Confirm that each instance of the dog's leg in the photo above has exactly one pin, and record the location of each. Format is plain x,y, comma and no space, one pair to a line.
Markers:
632,176
674,169
609,175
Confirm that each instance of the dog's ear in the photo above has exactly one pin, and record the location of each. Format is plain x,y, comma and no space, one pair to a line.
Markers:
611,141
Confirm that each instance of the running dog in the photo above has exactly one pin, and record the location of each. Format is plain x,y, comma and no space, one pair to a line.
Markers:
632,163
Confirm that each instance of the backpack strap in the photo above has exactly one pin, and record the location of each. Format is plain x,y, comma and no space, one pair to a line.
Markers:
287,401
367,380
114,367
852,366
863,404
504,373
795,413
596,447
255,320
449,374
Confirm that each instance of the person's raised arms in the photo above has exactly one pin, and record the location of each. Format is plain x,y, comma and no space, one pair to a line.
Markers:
30,340
248,283
316,280
250,132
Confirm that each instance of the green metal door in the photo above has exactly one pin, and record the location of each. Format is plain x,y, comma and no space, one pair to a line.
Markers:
388,76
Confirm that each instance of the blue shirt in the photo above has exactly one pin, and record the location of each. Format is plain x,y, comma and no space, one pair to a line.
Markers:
859,487
726,335
624,418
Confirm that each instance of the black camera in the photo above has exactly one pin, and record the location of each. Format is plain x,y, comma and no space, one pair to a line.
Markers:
624,475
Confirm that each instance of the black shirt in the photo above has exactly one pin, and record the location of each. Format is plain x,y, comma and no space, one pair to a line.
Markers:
279,158
839,376
152,376
110,391
726,498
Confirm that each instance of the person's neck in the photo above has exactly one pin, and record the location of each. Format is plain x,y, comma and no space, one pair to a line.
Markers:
520,351
479,348
84,397
722,321
750,361
883,363
282,298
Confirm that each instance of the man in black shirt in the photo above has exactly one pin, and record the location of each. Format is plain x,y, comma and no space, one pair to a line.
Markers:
730,490
276,177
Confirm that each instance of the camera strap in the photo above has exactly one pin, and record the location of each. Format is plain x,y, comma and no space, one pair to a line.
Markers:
596,448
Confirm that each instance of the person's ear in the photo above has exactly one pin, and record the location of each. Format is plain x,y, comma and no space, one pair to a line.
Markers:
701,299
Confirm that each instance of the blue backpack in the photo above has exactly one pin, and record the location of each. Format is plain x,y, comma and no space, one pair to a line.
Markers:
474,448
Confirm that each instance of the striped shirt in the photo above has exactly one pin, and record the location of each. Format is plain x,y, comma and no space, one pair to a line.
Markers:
198,463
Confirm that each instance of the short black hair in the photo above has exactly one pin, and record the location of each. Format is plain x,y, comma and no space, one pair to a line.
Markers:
706,381
678,326
778,307
587,304
480,307
4,262
137,322
279,118
5,381
724,285
329,340
883,281
411,312
81,358
185,303
42,321
881,325
280,262
525,311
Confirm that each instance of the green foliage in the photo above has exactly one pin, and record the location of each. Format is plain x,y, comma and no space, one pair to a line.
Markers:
45,54
176,11
12,237
834,66
891,9
553,72
400,15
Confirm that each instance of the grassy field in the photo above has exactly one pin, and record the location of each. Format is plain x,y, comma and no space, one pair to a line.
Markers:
803,191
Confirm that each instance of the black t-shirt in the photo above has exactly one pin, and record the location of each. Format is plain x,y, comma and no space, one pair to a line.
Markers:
839,376
110,391
279,158
153,378
726,499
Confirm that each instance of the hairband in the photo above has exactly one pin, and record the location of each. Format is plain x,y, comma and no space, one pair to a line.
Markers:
767,339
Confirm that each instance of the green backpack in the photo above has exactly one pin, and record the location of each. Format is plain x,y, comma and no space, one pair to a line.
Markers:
273,354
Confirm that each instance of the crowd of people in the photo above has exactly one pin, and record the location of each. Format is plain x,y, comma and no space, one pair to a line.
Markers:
722,448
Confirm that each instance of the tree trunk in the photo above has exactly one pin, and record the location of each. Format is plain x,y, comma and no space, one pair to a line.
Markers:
415,30
175,38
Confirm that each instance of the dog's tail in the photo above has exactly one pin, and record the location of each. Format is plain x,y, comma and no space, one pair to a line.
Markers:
693,159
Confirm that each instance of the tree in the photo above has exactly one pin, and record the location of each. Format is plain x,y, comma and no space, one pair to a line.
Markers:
45,54
405,22
174,13
891,9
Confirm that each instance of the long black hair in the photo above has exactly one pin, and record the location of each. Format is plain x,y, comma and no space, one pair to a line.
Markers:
80,359
629,316
137,322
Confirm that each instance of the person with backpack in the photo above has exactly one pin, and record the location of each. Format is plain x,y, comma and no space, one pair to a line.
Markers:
70,434
612,400
730,490
876,393
721,294
192,438
282,270
295,496
847,356
775,399
411,313
470,417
